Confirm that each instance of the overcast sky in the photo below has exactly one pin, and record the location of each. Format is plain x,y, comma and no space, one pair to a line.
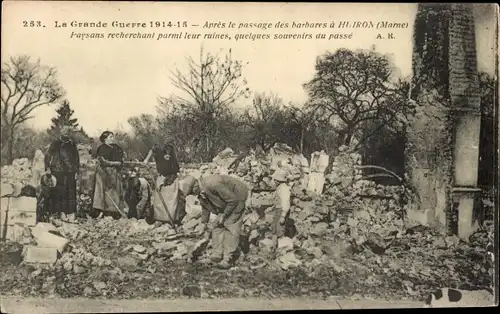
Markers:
107,81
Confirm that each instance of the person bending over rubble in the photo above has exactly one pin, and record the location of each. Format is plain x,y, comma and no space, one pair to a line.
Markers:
63,162
224,196
282,199
108,187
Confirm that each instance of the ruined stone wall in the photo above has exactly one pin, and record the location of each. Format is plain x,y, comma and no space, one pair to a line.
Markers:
428,151
462,63
464,93
446,94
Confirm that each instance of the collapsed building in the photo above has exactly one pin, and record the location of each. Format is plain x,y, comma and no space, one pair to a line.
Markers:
320,202
340,222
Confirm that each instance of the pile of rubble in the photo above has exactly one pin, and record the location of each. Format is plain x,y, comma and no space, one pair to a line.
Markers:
349,226
312,215
256,168
108,257
18,173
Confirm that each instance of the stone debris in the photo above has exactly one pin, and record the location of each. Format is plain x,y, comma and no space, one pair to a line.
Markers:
19,172
225,158
7,189
341,222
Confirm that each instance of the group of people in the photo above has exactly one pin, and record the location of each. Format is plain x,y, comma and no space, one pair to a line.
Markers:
221,195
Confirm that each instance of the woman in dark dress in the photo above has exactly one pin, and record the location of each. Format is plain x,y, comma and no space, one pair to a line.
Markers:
108,189
63,162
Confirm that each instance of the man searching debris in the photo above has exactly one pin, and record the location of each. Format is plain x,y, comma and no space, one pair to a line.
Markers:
224,196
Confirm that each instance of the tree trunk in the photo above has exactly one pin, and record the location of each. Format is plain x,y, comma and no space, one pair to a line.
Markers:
348,138
302,140
10,146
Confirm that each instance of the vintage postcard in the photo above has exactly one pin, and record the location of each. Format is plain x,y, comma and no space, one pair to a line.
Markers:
210,156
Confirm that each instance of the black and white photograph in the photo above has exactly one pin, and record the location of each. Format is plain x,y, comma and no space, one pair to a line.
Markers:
213,156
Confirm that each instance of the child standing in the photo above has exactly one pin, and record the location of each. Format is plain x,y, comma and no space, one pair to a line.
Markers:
282,205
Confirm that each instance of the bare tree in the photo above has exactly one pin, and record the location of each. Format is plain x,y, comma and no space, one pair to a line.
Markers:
211,82
205,91
26,86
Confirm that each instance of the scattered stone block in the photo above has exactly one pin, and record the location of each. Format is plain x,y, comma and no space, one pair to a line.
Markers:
289,260
71,231
22,204
362,215
40,255
315,251
251,218
316,182
285,244
48,237
99,285
258,201
16,233
320,229
193,206
467,225
440,243
266,245
27,218
139,248
419,217
191,225
254,234
166,246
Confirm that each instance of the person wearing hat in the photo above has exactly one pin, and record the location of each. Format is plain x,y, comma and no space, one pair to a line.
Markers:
63,162
282,199
224,196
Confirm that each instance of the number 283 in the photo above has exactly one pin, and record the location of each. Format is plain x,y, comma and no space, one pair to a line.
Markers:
32,24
